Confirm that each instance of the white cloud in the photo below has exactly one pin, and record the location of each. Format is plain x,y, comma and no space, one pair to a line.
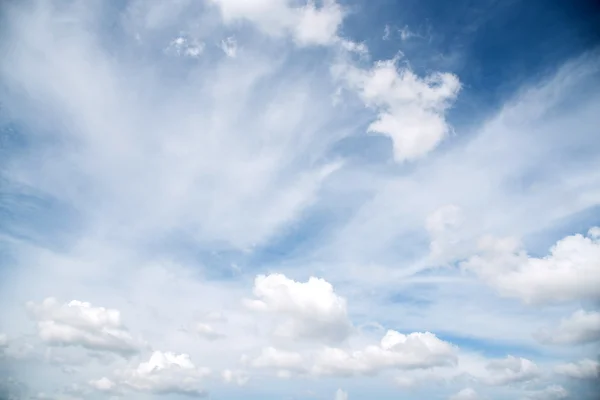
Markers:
229,46
3,340
310,310
465,394
580,328
165,373
103,384
583,369
341,395
411,110
396,350
207,331
569,272
307,24
187,47
77,323
240,378
510,370
273,358
553,392
442,225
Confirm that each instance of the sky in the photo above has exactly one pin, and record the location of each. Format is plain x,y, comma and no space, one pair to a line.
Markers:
293,199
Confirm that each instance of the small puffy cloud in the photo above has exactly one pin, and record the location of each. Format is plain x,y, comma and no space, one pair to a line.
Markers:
584,369
78,323
240,378
465,394
510,370
310,310
307,24
411,110
396,350
341,395
580,328
569,272
165,373
553,392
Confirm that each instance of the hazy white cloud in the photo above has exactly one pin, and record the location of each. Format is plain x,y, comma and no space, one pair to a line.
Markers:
583,369
273,358
240,378
77,323
580,328
511,370
206,331
411,110
307,24
309,310
340,395
569,272
229,46
442,225
187,47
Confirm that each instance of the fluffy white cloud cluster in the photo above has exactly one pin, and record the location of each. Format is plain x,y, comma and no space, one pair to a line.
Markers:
580,328
163,373
510,370
411,110
77,323
583,369
396,350
307,24
310,310
569,272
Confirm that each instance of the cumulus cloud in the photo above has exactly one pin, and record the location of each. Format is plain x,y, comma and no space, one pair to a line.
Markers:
465,394
580,328
396,350
310,310
510,370
569,272
164,373
78,323
411,110
307,24
583,369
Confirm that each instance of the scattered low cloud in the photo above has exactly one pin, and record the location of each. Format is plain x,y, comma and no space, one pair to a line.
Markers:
78,323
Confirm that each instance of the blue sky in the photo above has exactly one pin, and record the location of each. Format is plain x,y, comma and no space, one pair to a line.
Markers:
277,199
